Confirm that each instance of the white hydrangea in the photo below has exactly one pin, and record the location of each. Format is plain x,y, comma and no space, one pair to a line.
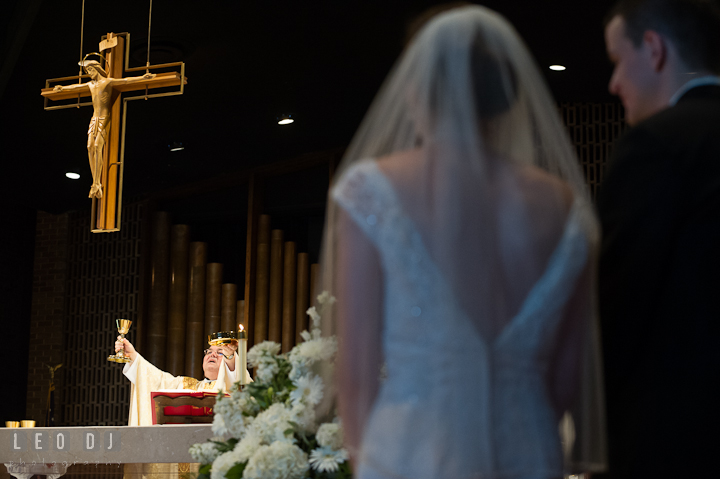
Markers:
228,405
247,446
204,453
229,418
236,423
222,464
314,315
270,425
304,417
300,365
326,298
325,459
330,435
218,425
259,351
279,460
319,349
266,371
309,390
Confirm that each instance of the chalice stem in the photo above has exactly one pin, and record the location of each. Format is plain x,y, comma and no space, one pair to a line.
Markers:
121,353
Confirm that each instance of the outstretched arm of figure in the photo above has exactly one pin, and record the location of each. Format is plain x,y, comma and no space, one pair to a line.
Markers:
118,81
359,308
130,352
69,87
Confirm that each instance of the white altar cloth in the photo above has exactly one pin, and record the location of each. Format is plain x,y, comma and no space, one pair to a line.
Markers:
67,446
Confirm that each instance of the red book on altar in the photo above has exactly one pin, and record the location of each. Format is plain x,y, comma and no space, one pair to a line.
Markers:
182,406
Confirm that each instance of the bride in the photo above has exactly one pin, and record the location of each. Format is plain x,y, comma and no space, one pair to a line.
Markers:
460,244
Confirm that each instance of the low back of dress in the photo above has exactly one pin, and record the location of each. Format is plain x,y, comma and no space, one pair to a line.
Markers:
458,403
477,263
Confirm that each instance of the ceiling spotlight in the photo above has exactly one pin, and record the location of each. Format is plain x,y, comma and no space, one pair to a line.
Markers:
557,68
176,146
72,175
285,119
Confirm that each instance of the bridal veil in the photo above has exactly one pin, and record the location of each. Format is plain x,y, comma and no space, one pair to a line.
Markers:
463,104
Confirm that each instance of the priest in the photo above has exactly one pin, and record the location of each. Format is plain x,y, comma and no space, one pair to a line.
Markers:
221,366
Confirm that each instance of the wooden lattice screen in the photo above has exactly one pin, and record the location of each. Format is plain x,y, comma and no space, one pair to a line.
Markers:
103,285
593,129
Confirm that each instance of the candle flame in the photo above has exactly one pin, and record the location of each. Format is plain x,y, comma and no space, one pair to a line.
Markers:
240,327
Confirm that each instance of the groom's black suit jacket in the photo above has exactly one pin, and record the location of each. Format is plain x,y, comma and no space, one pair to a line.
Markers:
659,289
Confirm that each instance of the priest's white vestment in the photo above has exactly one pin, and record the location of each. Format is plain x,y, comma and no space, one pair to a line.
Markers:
146,378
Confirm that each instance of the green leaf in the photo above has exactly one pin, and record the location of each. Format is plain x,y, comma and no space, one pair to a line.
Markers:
236,472
226,446
205,469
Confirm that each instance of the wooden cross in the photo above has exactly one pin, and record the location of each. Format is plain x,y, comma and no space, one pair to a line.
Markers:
109,106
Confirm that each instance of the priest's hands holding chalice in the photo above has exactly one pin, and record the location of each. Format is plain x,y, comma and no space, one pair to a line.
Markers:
123,343
229,351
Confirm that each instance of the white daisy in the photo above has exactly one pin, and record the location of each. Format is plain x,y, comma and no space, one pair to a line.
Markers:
324,459
309,390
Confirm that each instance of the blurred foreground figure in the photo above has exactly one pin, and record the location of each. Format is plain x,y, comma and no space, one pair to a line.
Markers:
460,245
660,261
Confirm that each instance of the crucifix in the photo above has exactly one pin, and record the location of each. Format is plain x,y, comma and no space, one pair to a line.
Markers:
106,133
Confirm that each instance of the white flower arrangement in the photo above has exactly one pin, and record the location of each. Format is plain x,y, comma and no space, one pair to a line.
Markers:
272,427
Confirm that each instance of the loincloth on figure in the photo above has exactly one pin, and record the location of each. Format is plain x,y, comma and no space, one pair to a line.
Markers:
99,124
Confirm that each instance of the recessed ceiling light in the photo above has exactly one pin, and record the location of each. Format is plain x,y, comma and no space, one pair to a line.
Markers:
557,68
72,175
285,119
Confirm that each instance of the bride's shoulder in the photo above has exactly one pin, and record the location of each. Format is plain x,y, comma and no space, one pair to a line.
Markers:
543,189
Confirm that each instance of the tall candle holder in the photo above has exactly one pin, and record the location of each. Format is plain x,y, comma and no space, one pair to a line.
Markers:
242,350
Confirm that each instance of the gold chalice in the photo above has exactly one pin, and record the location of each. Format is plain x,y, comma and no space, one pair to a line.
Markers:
222,338
123,326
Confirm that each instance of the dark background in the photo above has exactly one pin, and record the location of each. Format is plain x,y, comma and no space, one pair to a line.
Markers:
247,63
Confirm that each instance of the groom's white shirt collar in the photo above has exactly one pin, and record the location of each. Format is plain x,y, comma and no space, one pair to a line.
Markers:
701,81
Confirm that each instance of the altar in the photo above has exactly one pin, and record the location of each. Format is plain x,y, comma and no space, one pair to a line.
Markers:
103,450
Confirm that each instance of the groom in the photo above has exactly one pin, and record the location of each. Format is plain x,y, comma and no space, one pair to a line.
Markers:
660,262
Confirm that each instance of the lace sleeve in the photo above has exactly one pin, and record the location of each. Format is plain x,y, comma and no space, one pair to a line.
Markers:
360,193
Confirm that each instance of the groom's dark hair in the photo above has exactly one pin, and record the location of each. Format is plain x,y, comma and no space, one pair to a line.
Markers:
693,26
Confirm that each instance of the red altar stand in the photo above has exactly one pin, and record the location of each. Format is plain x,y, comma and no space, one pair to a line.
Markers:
183,407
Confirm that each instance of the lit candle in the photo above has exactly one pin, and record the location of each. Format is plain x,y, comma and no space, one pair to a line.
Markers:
242,350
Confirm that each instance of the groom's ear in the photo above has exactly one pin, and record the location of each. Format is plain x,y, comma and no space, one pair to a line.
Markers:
657,49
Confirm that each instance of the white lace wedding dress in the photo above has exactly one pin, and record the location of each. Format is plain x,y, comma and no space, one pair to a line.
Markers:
455,404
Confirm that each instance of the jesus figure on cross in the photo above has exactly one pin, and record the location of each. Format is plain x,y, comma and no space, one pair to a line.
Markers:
101,90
